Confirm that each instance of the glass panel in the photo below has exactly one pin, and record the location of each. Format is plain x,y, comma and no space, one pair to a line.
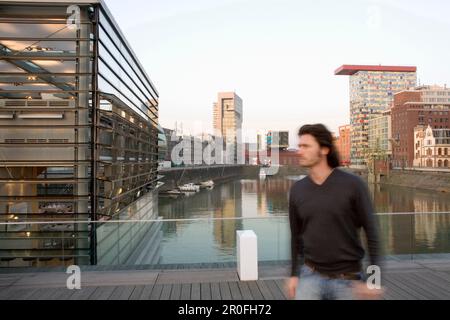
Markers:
143,240
45,151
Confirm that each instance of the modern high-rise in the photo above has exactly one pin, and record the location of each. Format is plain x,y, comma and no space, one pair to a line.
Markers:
372,90
78,136
227,116
424,105
227,120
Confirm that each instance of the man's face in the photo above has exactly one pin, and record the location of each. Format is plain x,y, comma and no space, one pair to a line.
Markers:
310,152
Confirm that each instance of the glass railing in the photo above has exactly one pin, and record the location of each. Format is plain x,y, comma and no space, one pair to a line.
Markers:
208,242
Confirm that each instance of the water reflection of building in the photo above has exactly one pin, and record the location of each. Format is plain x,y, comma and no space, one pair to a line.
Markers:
78,136
231,207
270,195
411,233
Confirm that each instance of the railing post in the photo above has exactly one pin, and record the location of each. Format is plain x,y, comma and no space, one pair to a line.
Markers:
247,255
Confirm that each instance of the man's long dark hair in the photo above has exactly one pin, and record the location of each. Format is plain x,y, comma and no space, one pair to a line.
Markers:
325,139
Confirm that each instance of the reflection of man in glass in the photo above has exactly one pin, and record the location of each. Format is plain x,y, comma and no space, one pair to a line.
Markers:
326,211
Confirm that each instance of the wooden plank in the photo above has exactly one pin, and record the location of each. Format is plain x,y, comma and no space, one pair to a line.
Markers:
245,291
155,293
397,286
205,291
406,283
16,294
122,293
419,286
137,292
6,292
436,283
441,291
165,293
392,292
225,291
235,291
176,292
281,284
387,295
254,289
62,294
215,291
102,293
274,290
264,290
443,276
147,292
40,294
185,291
195,291
82,294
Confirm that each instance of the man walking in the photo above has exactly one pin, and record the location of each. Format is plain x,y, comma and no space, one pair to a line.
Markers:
326,211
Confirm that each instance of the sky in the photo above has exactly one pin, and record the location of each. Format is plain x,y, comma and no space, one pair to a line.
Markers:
278,56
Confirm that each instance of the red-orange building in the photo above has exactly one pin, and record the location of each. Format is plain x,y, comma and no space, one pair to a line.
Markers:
343,144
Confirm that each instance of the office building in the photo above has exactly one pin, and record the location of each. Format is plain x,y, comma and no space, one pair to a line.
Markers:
227,121
78,136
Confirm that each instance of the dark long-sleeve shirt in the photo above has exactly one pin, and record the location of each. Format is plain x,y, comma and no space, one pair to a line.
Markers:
325,222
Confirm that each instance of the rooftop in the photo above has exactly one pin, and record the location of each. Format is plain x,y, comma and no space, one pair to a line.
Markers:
348,70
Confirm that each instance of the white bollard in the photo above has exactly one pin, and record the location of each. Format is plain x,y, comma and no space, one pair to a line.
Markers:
247,255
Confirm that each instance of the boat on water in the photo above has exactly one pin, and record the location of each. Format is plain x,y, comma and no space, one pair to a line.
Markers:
189,187
174,194
207,184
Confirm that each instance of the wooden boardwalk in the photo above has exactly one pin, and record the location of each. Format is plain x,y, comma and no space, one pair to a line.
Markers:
405,280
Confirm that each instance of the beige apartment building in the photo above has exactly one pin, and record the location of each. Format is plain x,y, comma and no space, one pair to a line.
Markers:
432,147
380,135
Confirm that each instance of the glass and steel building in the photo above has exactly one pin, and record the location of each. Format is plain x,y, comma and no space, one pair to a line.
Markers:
78,134
227,122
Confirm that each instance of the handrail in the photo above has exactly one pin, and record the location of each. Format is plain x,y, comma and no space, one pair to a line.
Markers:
191,219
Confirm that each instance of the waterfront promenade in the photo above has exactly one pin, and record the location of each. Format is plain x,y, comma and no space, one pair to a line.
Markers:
424,278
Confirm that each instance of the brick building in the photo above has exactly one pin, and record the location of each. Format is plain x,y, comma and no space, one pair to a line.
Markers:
422,106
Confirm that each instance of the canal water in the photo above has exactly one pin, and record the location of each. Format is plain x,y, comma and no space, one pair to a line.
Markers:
261,205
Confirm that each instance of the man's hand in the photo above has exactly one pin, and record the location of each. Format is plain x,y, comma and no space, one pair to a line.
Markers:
291,287
362,292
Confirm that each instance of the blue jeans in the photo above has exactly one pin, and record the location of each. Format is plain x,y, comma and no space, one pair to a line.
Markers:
314,286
